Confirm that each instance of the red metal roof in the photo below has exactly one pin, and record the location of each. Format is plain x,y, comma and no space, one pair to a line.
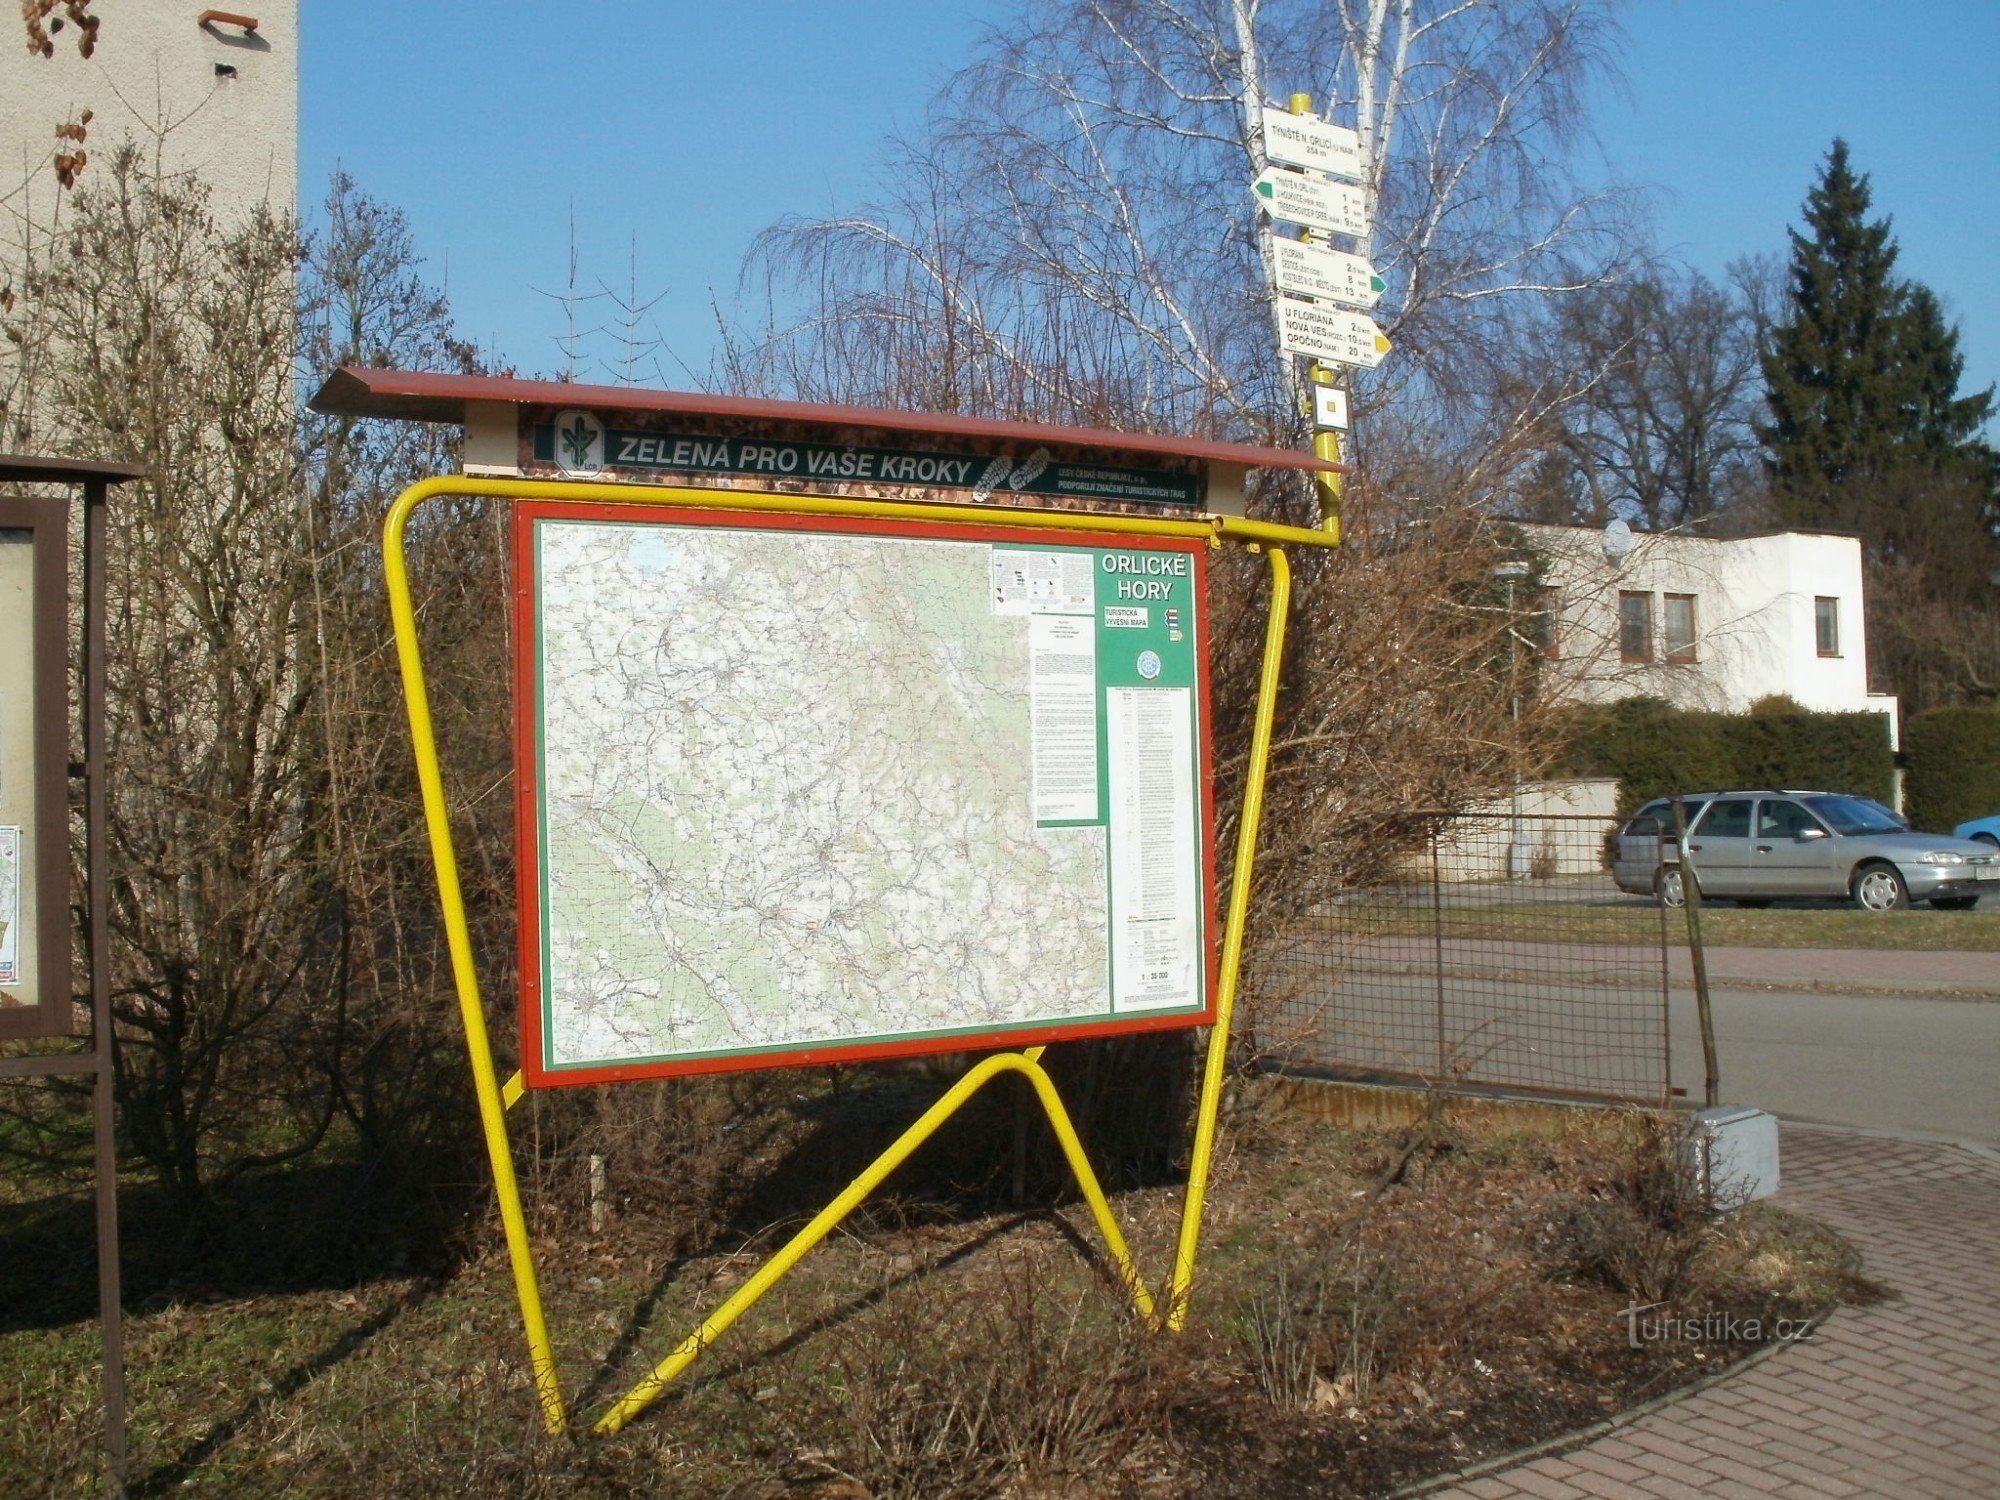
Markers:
415,396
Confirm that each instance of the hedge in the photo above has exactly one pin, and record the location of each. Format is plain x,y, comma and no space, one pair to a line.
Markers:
1654,749
1953,761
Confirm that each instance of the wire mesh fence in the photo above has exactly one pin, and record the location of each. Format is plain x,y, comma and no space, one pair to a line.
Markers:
1490,952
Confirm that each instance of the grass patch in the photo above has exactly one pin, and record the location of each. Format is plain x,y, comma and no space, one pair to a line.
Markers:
1372,1307
1638,924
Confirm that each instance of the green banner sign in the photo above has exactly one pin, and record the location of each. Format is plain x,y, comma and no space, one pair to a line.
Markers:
583,447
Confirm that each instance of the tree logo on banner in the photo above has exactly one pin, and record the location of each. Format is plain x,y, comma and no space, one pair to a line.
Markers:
579,444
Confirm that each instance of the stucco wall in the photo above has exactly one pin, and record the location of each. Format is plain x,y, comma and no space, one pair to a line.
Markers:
1754,618
154,82
1545,830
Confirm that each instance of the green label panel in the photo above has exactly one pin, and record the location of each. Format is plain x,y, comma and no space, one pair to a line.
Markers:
982,473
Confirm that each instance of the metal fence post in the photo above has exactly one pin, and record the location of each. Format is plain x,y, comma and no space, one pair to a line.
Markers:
1437,951
1697,957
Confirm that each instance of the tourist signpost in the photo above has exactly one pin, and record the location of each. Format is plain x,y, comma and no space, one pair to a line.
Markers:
1303,141
1325,275
1320,295
1335,207
1330,333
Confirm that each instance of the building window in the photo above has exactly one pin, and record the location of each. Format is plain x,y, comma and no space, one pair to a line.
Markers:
1677,627
1635,626
1826,625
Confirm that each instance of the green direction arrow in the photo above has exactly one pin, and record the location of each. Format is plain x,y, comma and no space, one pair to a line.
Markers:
1297,198
1310,269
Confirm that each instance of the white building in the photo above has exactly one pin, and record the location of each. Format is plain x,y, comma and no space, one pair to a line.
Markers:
1709,622
1704,623
194,88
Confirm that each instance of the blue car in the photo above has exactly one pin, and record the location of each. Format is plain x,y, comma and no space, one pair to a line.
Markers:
1986,830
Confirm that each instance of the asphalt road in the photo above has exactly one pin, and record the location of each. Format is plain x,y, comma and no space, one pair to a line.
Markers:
1886,1062
1925,1063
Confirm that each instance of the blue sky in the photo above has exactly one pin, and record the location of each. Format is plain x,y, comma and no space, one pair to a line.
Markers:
691,127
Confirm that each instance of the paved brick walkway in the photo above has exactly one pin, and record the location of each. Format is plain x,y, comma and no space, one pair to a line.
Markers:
1902,1398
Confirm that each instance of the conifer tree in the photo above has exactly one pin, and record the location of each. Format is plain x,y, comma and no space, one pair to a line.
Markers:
1862,381
1941,424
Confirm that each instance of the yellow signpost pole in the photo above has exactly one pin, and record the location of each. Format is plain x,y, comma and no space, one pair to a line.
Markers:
495,1096
1028,1064
1326,445
458,937
1216,1064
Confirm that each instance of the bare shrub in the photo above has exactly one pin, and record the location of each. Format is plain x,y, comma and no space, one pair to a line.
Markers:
1285,1324
166,338
680,1153
978,1391
1401,1289
1326,1333
1640,1229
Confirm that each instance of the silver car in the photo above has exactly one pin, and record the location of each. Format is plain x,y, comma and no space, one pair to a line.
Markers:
1755,847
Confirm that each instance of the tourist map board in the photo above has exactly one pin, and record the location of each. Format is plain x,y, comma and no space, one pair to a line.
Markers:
799,791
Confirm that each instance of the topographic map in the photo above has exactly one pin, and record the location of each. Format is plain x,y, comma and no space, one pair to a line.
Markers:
788,798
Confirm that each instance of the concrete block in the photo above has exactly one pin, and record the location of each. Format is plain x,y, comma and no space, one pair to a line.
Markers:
1732,1150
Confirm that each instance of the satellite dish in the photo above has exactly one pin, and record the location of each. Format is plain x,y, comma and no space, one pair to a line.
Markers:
1617,542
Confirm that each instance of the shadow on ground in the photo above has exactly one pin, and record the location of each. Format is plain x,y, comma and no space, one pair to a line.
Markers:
335,1226
327,1226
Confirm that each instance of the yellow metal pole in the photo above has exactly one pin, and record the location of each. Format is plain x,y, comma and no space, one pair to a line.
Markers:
1326,445
1086,1180
649,1390
493,1096
1232,942
604,493
1209,527
1237,529
492,1113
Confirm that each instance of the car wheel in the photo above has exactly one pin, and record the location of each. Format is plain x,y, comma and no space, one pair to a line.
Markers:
1879,887
1667,886
1954,903
1986,838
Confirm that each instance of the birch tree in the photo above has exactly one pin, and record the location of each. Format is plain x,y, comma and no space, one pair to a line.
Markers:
1073,237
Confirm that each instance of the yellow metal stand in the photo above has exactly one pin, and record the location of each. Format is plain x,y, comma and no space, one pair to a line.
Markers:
496,1097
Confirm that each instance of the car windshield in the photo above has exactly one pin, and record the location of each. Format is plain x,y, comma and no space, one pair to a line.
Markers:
1854,815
